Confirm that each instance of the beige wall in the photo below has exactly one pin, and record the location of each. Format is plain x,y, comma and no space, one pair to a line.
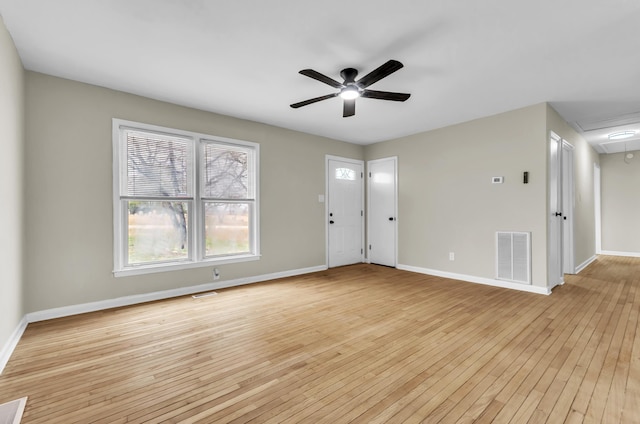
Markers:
584,159
448,204
620,203
69,192
11,169
446,200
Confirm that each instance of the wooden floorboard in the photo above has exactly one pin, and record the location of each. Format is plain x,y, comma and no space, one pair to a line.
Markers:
356,344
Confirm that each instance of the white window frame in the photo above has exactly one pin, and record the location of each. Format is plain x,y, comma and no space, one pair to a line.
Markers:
196,234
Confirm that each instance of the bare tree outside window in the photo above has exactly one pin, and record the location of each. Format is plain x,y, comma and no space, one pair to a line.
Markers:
225,173
157,168
225,185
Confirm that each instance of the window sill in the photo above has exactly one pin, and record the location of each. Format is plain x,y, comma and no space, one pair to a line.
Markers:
149,269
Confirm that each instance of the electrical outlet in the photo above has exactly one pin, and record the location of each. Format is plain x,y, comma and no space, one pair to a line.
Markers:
452,256
216,274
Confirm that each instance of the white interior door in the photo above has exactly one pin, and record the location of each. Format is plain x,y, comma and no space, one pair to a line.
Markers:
555,212
568,205
382,211
345,210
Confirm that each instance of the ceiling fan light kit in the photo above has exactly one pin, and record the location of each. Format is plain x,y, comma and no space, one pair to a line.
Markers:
350,92
350,89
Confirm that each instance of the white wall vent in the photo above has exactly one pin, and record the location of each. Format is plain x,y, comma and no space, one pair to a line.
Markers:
11,412
513,256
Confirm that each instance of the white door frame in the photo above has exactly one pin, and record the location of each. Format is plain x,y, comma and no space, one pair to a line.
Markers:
395,206
326,203
568,207
597,206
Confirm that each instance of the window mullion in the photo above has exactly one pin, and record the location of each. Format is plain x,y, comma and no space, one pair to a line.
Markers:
198,222
157,198
224,200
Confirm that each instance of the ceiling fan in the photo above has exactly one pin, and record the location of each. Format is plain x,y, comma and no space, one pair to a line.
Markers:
351,89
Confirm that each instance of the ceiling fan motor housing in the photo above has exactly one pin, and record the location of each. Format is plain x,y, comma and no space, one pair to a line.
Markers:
349,75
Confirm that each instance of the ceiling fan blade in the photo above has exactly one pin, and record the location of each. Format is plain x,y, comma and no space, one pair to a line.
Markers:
385,95
349,108
315,99
377,74
320,77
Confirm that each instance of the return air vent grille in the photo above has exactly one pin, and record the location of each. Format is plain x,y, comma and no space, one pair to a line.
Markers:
513,256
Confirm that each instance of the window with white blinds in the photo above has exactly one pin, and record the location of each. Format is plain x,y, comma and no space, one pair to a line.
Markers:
158,165
182,199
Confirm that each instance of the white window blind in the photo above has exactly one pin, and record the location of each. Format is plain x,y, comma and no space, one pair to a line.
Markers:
225,172
157,166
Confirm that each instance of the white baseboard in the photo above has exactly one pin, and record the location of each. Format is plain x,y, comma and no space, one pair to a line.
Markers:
477,280
159,295
11,344
616,253
64,311
585,264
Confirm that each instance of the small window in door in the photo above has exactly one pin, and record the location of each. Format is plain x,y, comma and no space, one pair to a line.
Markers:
345,174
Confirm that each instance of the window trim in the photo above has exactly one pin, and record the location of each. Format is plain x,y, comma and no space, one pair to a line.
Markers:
196,235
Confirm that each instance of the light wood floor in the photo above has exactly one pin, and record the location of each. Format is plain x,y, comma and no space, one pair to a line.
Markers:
362,344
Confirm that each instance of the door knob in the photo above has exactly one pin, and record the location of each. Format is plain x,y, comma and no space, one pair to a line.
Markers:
391,218
330,222
558,213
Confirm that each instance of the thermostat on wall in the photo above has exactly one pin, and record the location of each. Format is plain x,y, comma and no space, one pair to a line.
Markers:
497,180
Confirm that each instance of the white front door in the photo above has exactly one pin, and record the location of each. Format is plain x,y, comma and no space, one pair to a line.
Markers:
556,275
345,211
382,211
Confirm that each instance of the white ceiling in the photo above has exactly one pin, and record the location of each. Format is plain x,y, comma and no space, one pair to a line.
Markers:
463,59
